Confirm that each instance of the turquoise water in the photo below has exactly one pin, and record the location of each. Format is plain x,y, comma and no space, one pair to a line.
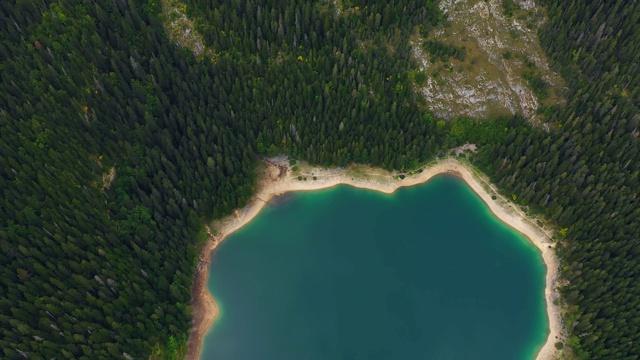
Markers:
343,273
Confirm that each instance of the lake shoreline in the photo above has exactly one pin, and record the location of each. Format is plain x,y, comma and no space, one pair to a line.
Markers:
279,178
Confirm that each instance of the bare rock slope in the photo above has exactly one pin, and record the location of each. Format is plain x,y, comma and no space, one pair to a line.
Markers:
500,40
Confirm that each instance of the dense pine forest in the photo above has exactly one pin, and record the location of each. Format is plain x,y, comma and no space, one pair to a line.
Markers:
117,145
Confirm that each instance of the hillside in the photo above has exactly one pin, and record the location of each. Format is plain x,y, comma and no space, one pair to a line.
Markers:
486,60
117,145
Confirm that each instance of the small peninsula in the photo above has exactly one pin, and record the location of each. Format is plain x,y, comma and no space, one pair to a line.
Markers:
279,177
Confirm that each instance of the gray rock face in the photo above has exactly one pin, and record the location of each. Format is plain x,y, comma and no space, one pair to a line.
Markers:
499,49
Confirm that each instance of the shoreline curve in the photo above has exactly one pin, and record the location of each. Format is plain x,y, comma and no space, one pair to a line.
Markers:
279,178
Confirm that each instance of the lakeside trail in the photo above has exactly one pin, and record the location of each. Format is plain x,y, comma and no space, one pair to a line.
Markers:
279,178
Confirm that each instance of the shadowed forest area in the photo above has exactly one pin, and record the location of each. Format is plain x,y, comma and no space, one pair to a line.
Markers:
117,145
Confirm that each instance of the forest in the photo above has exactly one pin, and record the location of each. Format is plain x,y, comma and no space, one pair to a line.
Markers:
117,145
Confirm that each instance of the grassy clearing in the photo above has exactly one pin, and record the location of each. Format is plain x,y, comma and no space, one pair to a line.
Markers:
503,71
182,30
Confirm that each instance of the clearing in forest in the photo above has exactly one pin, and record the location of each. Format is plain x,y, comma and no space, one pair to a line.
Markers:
486,60
181,28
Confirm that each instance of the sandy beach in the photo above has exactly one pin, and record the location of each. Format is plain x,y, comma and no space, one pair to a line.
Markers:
279,178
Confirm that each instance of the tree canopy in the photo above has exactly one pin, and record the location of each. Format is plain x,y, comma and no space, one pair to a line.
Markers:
117,145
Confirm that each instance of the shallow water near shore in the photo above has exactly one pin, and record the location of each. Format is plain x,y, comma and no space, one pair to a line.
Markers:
425,273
